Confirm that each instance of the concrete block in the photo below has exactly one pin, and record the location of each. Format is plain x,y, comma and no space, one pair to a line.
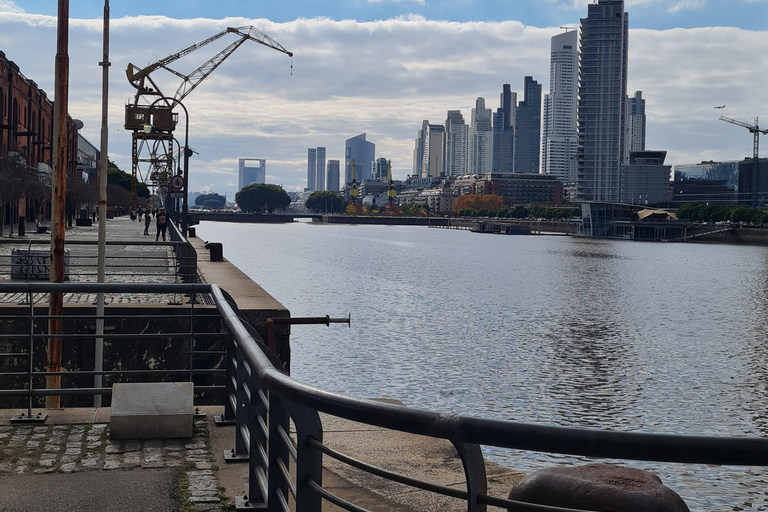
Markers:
598,487
156,410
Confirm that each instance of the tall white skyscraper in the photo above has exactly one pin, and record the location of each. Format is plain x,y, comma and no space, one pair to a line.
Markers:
560,137
635,124
602,101
456,132
251,170
481,139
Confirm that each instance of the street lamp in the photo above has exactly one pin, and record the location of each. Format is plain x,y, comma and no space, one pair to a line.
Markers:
187,153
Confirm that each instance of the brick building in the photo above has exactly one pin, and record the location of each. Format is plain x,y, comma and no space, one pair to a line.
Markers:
26,129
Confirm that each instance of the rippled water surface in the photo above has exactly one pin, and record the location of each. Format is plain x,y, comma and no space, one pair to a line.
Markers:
667,338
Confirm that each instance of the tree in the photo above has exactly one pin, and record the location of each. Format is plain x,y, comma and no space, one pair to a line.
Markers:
488,202
325,201
13,174
212,204
258,198
123,180
203,198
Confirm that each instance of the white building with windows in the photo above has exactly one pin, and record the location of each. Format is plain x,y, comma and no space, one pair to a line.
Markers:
480,139
456,134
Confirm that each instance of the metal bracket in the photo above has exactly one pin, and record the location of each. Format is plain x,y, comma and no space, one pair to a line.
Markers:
241,503
220,421
231,457
33,418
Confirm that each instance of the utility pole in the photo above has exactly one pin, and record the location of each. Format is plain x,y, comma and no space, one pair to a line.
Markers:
61,104
103,165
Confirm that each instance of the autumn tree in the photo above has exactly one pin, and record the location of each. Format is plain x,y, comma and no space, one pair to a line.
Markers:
488,202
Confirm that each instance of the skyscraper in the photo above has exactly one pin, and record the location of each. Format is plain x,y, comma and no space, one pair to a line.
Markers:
311,168
418,150
316,169
559,140
503,131
381,170
363,153
480,139
635,124
434,147
602,101
251,170
527,125
333,176
456,131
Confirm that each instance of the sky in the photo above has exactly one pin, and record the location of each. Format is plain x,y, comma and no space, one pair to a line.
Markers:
382,66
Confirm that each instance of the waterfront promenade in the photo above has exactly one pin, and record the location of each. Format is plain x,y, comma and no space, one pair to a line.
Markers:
70,463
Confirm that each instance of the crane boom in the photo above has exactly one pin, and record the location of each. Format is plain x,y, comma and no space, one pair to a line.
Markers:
137,76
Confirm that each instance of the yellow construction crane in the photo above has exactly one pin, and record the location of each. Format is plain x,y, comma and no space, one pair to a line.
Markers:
755,129
158,145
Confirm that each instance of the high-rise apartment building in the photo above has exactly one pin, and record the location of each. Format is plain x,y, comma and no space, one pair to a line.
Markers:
381,170
635,125
434,151
503,131
251,170
602,101
333,176
418,150
527,125
363,153
456,132
316,169
560,138
481,139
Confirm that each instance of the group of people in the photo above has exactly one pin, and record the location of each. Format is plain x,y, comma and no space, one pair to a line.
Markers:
160,220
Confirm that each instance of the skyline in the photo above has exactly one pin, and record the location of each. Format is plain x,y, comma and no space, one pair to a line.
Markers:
403,70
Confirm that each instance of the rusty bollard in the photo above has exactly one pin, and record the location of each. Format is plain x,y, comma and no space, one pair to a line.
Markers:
598,487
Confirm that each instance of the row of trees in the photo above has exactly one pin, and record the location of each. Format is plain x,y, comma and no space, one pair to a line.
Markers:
523,212
722,213
259,198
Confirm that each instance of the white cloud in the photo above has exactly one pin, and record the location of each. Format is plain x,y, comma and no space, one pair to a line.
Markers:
381,78
9,6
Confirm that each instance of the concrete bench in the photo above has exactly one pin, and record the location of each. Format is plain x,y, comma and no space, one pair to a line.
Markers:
157,410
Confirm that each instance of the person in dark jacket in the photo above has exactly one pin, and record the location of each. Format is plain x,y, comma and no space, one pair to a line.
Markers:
160,221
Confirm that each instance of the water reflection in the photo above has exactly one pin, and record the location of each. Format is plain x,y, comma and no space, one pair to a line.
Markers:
625,336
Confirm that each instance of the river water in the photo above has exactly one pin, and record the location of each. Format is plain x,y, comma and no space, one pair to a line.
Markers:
630,336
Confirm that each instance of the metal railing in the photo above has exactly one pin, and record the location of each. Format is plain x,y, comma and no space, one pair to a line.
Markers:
262,401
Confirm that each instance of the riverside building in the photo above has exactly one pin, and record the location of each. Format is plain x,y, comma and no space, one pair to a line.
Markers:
456,133
559,140
527,125
602,101
480,139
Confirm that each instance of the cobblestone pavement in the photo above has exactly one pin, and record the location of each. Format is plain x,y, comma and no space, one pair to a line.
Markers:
125,263
87,447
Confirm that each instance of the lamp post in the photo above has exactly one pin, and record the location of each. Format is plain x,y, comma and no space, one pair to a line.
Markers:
187,152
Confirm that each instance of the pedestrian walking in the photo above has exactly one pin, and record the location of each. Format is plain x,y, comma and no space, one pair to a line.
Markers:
160,224
133,215
147,222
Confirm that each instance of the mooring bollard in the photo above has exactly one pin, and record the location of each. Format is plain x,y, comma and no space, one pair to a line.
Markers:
598,487
217,251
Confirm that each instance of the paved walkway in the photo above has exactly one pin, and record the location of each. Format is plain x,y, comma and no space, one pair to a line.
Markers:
181,474
149,262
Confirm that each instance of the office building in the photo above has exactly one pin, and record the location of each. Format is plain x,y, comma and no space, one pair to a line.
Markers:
602,101
503,131
315,169
560,137
333,176
381,169
456,133
434,151
480,151
645,179
720,182
363,153
251,170
527,125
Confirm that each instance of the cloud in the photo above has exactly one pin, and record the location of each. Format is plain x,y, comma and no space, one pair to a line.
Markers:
381,78
9,6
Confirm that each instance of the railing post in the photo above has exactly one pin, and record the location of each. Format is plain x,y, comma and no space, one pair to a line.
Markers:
242,408
278,452
254,413
474,472
309,462
230,384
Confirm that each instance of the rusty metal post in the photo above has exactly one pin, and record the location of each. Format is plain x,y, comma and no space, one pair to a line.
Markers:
58,221
102,249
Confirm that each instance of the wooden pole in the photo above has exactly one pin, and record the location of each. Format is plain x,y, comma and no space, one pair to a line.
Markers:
58,221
